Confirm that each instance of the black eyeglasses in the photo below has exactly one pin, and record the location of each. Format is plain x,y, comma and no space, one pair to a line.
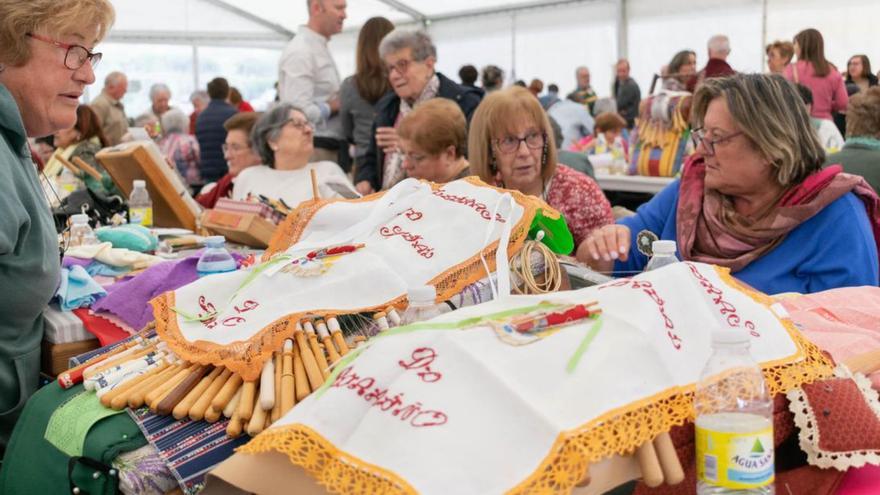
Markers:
509,144
699,136
76,55
300,125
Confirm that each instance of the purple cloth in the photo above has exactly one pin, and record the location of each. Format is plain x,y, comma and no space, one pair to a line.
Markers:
70,261
129,299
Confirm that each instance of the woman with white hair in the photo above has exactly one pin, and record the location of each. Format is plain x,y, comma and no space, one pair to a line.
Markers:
179,147
409,57
283,137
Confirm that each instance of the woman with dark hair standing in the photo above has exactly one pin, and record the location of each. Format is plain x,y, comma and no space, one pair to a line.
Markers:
858,72
84,140
361,91
681,72
815,72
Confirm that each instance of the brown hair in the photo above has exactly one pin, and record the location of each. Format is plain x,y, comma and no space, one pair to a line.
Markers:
863,114
89,125
536,86
434,126
609,121
496,116
369,78
812,48
243,121
866,67
235,96
53,17
785,48
769,111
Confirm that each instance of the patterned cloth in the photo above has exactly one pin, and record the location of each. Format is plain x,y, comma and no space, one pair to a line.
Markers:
580,200
394,172
183,151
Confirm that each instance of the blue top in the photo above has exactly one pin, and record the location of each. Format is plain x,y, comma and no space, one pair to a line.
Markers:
834,248
211,135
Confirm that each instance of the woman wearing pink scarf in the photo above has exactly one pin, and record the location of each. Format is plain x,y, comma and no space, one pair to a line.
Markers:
755,199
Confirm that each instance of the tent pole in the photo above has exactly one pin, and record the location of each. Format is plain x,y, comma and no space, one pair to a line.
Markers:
513,47
622,30
195,56
763,30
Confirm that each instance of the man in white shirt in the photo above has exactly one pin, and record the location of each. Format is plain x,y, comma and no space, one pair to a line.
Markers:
308,78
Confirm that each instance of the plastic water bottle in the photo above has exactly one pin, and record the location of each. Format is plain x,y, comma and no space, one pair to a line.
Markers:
215,258
734,429
81,233
663,254
618,163
67,182
140,206
422,305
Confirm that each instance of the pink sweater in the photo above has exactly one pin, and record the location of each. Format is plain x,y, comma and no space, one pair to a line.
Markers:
829,92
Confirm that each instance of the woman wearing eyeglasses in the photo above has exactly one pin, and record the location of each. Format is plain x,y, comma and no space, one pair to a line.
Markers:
46,61
283,138
409,57
511,145
755,199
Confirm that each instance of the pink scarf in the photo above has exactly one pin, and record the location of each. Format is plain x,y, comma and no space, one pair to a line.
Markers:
710,231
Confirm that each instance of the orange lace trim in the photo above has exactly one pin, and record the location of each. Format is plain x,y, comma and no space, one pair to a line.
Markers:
331,467
618,432
247,357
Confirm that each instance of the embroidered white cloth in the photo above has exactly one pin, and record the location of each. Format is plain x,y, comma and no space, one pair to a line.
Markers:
450,411
412,235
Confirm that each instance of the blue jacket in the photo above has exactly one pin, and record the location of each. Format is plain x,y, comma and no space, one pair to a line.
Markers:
211,136
834,248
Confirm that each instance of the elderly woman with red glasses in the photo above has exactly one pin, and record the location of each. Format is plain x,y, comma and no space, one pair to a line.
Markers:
755,198
46,61
283,137
511,145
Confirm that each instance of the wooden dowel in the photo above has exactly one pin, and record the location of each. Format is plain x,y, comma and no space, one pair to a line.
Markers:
314,176
336,332
258,420
233,429
182,408
229,411
87,168
652,475
165,387
323,366
313,372
137,396
267,385
64,161
246,404
119,395
301,381
229,389
203,403
166,405
276,408
287,382
673,473
324,334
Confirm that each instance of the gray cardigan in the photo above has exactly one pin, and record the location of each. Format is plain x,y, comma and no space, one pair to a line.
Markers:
357,115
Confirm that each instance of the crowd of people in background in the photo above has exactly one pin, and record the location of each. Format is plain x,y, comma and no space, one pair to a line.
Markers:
398,117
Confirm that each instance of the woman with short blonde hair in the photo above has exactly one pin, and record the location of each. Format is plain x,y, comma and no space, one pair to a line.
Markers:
511,145
754,199
47,59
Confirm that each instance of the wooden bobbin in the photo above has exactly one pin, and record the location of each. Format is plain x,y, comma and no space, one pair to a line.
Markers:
119,395
336,333
258,420
137,396
181,410
165,387
230,408
166,405
652,474
673,473
246,403
199,408
288,384
301,381
317,351
313,371
229,389
267,385
276,408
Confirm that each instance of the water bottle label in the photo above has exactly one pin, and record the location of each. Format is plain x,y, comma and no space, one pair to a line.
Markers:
141,216
735,460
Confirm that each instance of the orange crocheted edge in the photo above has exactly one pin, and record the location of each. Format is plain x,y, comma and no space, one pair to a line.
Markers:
573,450
247,357
333,468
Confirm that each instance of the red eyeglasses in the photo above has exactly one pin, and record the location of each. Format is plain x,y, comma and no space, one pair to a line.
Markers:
76,55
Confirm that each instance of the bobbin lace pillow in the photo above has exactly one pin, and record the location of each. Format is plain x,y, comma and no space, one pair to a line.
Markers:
839,420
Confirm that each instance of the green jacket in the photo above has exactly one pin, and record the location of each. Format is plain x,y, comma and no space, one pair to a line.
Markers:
29,266
860,157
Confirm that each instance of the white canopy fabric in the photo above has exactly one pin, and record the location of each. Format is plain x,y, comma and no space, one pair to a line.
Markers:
185,43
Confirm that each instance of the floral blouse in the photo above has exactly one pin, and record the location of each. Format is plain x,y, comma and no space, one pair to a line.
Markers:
580,200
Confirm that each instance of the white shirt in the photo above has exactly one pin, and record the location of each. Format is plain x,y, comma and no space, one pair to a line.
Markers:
292,186
829,136
308,78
